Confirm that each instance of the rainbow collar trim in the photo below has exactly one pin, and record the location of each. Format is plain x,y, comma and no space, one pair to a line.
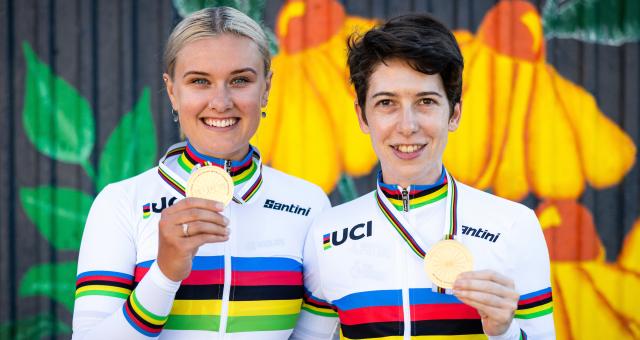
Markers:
240,171
419,195
181,159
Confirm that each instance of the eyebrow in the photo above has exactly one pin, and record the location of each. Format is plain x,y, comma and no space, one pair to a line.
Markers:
246,69
428,93
387,94
420,94
200,73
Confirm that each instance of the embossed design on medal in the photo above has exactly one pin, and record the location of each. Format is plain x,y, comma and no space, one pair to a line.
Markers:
210,182
445,261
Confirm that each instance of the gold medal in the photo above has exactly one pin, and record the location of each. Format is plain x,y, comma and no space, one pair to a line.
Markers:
445,261
211,183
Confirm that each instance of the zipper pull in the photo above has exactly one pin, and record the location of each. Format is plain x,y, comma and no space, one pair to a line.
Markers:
405,199
227,166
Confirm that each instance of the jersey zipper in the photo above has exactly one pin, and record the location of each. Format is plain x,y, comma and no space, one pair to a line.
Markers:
406,303
227,166
405,199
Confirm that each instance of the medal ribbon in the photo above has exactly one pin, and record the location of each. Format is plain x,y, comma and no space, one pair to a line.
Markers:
249,174
451,219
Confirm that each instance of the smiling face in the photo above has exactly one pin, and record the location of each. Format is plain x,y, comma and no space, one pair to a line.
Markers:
408,119
218,89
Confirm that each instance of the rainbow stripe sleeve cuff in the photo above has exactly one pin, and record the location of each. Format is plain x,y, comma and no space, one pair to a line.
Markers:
141,319
317,306
105,283
535,304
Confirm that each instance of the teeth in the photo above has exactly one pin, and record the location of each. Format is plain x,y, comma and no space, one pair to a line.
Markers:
220,122
408,148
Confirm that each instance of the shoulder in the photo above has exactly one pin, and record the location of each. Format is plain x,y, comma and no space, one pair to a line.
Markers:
291,185
127,189
345,214
479,209
472,199
137,180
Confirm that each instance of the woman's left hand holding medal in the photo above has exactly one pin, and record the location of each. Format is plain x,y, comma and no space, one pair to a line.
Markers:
493,295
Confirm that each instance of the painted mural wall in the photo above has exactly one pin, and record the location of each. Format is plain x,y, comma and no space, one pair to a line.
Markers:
551,118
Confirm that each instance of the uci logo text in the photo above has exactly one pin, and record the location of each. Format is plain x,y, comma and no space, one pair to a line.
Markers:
155,207
356,232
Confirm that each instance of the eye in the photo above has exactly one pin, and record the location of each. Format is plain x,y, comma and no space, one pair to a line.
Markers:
239,81
384,102
200,81
428,101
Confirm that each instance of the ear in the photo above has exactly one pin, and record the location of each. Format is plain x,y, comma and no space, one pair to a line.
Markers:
361,118
454,120
265,95
169,85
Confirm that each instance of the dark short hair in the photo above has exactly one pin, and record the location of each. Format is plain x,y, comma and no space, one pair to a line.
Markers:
420,40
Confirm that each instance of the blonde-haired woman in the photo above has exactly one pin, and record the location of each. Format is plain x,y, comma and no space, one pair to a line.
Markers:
154,263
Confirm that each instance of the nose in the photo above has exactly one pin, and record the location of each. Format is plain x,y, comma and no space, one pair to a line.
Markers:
408,121
220,100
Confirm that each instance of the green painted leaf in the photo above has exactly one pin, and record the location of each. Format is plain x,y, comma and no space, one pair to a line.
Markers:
273,41
347,188
53,280
58,213
132,147
56,118
186,7
36,327
253,8
611,22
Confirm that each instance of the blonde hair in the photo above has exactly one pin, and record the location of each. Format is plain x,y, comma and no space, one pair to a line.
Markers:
210,22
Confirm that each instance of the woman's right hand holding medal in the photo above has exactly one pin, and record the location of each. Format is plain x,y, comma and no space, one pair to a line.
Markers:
183,228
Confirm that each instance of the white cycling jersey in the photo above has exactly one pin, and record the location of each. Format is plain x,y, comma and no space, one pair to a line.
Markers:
249,287
362,264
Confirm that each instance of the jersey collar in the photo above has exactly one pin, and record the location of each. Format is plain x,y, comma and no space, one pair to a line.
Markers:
414,196
181,159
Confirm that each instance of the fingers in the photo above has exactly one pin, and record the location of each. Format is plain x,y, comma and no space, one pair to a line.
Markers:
200,239
487,299
491,293
194,203
197,228
488,275
193,215
488,287
201,221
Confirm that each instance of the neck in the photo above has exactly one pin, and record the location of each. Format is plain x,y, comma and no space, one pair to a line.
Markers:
199,157
430,176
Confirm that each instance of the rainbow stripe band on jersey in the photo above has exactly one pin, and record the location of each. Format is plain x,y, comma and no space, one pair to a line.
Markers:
141,319
317,306
265,294
375,314
106,283
535,304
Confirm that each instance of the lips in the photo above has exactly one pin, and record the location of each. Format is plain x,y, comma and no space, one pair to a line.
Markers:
220,122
